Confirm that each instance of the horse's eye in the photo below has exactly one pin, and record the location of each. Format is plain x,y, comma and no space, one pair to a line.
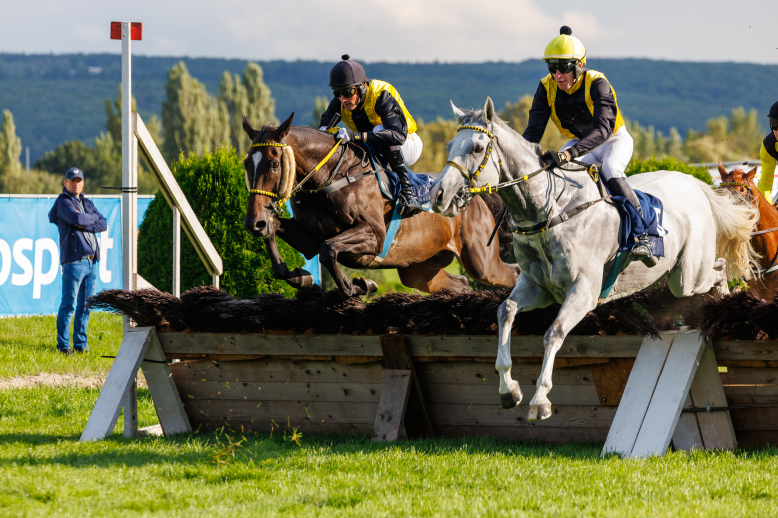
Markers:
274,164
478,148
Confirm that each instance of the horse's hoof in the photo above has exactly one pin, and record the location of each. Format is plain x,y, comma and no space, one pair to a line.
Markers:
367,285
509,401
300,279
539,412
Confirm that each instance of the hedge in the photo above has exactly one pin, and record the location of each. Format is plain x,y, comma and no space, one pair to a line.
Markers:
215,186
667,163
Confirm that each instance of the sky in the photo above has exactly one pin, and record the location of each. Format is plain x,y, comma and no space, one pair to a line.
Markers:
399,30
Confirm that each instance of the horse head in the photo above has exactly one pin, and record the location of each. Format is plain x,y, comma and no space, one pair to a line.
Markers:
740,183
472,161
270,175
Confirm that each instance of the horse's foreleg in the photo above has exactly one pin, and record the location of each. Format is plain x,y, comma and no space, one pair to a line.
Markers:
297,238
524,297
358,240
580,300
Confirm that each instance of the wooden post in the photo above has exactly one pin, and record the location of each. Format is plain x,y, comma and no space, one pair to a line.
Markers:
130,404
397,356
176,252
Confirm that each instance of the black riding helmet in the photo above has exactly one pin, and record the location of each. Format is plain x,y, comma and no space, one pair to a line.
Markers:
772,117
347,74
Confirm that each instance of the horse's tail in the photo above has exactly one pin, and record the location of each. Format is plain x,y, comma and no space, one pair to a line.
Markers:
734,222
504,234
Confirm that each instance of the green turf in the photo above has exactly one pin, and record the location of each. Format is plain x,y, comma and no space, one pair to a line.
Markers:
28,345
44,470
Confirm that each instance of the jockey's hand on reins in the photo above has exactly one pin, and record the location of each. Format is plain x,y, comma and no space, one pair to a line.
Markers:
557,158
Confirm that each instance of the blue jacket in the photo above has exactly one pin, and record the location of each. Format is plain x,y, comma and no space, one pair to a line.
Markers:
66,214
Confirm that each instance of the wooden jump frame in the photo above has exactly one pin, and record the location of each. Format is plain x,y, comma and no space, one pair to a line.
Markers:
447,386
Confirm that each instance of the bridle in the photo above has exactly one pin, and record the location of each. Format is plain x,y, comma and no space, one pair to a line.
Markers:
749,197
298,186
466,193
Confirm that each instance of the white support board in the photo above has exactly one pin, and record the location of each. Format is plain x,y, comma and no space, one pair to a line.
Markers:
139,343
391,407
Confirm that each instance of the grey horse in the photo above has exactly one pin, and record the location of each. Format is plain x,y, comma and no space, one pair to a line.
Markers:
707,240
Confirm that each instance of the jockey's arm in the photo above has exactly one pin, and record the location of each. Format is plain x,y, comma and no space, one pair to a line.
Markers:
395,130
538,116
332,110
603,118
768,173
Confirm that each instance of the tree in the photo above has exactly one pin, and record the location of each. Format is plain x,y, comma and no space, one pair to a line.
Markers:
215,186
192,120
735,138
649,143
10,147
246,95
319,107
435,136
13,178
113,121
517,117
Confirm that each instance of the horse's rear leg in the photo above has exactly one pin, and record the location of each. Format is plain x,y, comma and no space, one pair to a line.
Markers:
429,276
580,300
526,295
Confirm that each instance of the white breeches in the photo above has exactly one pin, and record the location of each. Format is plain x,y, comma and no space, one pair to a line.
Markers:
613,155
411,148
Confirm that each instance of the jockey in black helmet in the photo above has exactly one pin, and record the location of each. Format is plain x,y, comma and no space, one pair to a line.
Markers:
582,104
768,155
376,114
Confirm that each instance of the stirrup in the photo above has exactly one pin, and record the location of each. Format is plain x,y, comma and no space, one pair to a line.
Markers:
642,252
409,205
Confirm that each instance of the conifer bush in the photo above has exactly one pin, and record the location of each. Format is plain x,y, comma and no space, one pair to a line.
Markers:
215,186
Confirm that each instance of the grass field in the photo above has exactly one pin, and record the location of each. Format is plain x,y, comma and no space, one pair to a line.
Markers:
44,470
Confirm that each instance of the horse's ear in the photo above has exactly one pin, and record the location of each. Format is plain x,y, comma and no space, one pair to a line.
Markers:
251,132
489,111
457,112
283,129
750,175
723,172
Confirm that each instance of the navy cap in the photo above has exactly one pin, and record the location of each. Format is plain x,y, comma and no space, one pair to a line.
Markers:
74,172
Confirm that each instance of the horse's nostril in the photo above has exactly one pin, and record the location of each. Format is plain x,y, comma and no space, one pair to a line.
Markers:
439,197
260,225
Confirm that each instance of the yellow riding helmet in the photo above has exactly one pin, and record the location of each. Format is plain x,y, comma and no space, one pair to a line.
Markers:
565,47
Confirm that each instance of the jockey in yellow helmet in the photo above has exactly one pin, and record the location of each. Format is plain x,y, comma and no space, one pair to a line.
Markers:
582,104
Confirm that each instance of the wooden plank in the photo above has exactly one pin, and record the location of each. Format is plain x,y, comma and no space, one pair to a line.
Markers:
269,344
525,433
576,416
757,438
329,411
125,366
746,349
279,391
621,346
274,370
164,393
611,379
686,436
130,405
751,394
391,408
669,395
246,425
748,376
758,417
175,198
474,373
706,389
397,355
637,394
486,394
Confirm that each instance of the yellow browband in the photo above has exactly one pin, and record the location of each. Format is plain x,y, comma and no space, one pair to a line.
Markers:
267,144
474,176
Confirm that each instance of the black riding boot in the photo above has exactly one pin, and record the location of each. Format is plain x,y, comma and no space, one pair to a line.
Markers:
410,205
641,251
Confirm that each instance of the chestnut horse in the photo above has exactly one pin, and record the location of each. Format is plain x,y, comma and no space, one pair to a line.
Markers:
349,225
764,237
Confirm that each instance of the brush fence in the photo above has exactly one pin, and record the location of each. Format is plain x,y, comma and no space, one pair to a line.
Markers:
333,383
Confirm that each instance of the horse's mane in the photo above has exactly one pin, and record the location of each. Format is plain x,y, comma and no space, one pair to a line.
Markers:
477,116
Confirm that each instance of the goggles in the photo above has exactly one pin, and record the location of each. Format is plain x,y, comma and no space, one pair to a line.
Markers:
773,123
564,67
346,92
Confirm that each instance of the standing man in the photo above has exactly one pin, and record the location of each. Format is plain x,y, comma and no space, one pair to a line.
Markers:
582,104
768,155
376,114
77,220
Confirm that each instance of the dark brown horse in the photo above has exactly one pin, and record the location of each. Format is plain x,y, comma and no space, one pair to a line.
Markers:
349,225
764,237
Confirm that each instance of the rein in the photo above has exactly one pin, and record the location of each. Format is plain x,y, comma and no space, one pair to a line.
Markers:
466,193
299,185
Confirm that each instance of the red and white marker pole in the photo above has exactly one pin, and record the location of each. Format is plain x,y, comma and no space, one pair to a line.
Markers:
128,31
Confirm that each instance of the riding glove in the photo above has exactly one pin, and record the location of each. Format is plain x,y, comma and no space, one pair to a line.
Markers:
557,158
344,134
